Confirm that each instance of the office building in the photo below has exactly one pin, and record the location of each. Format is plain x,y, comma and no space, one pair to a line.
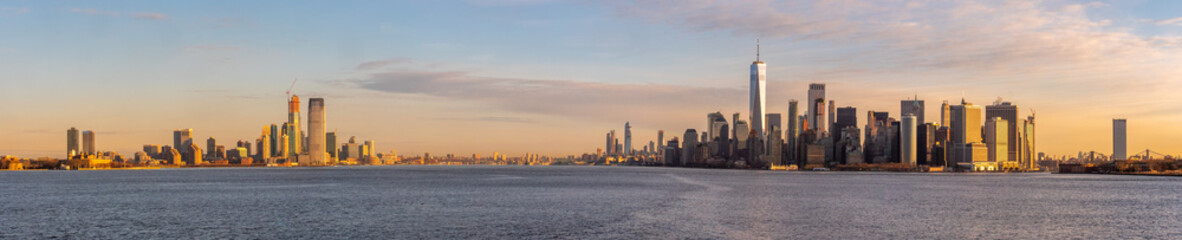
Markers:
832,119
627,138
330,144
907,139
965,129
294,133
913,107
181,139
88,142
211,146
1119,137
846,117
758,94
72,143
1009,113
317,150
996,140
793,131
817,108
689,147
774,120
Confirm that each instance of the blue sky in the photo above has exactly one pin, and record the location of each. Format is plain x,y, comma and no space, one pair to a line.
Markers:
550,77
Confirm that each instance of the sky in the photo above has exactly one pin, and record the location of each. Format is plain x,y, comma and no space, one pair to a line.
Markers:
552,77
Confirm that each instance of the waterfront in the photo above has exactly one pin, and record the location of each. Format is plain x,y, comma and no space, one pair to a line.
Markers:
582,202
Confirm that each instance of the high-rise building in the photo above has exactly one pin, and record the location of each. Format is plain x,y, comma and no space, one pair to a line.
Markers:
181,138
294,134
88,142
913,107
832,118
152,150
774,120
1119,137
660,139
907,139
330,144
817,108
995,140
689,147
965,130
792,131
211,146
714,122
1009,113
72,142
277,141
264,147
317,152
945,114
846,117
627,138
758,94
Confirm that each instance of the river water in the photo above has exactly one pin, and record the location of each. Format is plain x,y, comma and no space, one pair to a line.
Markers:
519,202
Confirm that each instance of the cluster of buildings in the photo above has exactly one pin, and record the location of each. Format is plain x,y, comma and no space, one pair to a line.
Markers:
967,137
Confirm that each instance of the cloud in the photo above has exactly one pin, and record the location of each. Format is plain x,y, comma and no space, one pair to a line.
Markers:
372,65
492,119
1172,21
572,99
150,16
138,15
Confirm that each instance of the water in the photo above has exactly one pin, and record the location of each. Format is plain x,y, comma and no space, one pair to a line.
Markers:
414,202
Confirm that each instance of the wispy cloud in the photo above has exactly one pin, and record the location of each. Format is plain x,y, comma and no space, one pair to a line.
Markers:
136,15
589,100
1172,21
373,65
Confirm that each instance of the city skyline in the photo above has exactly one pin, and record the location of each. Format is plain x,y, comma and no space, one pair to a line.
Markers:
441,94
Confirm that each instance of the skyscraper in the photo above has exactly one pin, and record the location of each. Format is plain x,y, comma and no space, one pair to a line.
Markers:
817,108
294,135
660,139
88,142
907,139
832,118
758,93
330,143
277,141
317,152
72,142
995,140
774,120
211,146
913,107
627,138
1119,136
965,130
1009,113
181,138
846,117
792,130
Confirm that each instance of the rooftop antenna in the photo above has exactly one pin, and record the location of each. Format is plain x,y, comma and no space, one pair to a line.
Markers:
756,49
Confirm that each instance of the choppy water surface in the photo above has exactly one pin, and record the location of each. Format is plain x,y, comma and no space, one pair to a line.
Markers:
412,202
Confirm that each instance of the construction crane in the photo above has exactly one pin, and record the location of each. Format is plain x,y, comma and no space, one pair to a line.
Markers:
293,82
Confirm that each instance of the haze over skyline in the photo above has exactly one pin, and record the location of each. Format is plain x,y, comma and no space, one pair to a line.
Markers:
550,77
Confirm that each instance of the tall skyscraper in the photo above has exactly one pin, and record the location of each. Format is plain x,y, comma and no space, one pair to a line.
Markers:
660,139
907,139
1009,113
832,118
817,108
181,139
317,152
792,130
88,142
277,141
995,140
294,135
774,120
945,114
1119,137
211,146
627,138
714,123
965,130
72,142
758,94
846,117
689,147
913,107
330,143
